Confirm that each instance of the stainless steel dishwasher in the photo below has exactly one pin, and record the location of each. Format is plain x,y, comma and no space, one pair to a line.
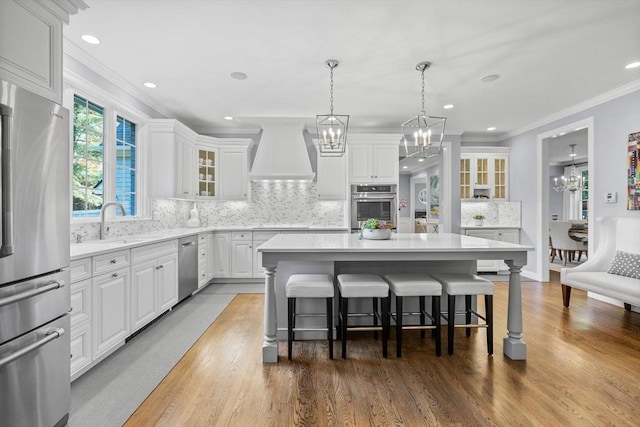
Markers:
187,266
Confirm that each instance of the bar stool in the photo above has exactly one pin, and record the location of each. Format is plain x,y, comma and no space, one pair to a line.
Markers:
363,286
421,286
309,286
467,284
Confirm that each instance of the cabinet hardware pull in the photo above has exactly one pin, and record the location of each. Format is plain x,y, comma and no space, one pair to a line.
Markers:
114,275
113,261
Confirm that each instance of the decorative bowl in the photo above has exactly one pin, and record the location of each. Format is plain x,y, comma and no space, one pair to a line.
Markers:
376,234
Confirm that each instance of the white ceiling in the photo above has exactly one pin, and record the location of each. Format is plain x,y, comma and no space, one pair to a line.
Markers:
550,55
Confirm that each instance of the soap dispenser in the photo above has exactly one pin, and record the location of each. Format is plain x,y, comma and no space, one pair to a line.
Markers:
194,217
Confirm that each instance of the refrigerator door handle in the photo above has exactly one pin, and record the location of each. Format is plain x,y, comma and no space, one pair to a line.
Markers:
6,228
24,295
51,335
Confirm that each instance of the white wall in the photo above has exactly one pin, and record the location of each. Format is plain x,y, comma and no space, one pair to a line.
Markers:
613,121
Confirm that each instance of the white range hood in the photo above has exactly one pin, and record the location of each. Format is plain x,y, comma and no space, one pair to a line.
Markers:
282,154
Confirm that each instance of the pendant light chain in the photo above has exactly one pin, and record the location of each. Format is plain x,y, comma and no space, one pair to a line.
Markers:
423,110
331,97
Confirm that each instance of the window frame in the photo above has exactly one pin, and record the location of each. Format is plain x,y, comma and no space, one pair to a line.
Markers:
112,109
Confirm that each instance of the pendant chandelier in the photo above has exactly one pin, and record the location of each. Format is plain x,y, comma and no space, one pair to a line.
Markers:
422,135
332,128
574,182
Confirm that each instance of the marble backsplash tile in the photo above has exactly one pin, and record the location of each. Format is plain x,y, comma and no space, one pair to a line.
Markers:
503,214
272,203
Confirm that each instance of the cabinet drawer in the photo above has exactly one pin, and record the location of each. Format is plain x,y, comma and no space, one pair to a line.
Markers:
80,302
202,239
80,269
110,261
241,235
153,251
80,348
263,236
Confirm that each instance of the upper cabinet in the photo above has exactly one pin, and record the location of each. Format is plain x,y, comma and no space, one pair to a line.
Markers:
484,173
373,159
31,44
186,165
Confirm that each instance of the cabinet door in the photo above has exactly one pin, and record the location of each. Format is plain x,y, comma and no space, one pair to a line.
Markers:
331,177
111,310
167,282
207,177
80,348
221,254
360,163
465,178
184,171
241,259
499,181
482,172
385,163
234,175
143,294
210,251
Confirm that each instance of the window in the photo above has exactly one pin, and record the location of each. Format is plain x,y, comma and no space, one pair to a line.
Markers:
126,164
104,161
88,158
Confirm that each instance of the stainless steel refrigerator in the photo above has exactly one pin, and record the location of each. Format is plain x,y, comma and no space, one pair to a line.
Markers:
34,260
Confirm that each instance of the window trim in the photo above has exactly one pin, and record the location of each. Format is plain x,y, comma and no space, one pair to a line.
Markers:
113,107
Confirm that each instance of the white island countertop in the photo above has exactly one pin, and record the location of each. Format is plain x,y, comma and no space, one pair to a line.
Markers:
399,242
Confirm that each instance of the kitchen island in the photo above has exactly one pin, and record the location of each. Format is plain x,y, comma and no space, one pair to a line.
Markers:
403,252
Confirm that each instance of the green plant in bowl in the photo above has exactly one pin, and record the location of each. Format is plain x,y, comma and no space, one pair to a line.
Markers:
374,224
478,216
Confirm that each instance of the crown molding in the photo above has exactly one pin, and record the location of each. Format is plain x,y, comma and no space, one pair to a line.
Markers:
74,51
63,9
597,100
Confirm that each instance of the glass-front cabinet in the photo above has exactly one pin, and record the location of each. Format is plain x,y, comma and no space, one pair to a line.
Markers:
484,175
207,172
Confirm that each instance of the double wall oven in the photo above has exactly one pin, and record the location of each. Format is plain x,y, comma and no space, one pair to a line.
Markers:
373,201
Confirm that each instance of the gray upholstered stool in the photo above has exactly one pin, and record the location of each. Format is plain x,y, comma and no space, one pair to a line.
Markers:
467,284
363,286
309,286
421,286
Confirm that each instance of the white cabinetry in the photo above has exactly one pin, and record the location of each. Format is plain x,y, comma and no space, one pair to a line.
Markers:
81,302
207,179
172,159
31,44
234,171
154,282
484,173
206,249
509,235
331,178
241,254
221,254
373,159
112,311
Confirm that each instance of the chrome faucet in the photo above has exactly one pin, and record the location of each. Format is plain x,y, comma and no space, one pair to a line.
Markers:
104,207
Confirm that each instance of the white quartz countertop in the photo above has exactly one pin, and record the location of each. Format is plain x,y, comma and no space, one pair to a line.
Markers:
479,227
399,242
96,247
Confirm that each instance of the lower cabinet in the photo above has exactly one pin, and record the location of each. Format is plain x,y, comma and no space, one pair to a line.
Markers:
222,254
206,267
242,254
111,310
509,235
259,237
154,282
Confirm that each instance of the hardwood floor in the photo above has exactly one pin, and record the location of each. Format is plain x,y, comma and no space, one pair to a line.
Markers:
583,369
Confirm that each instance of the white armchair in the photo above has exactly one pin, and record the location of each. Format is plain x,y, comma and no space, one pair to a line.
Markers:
615,234
560,240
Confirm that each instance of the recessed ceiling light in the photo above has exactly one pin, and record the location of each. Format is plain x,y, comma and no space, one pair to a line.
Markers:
405,167
491,128
150,85
90,39
448,106
632,65
562,133
228,118
421,160
238,76
490,78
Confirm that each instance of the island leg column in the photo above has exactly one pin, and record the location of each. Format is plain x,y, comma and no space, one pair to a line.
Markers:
270,345
513,345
